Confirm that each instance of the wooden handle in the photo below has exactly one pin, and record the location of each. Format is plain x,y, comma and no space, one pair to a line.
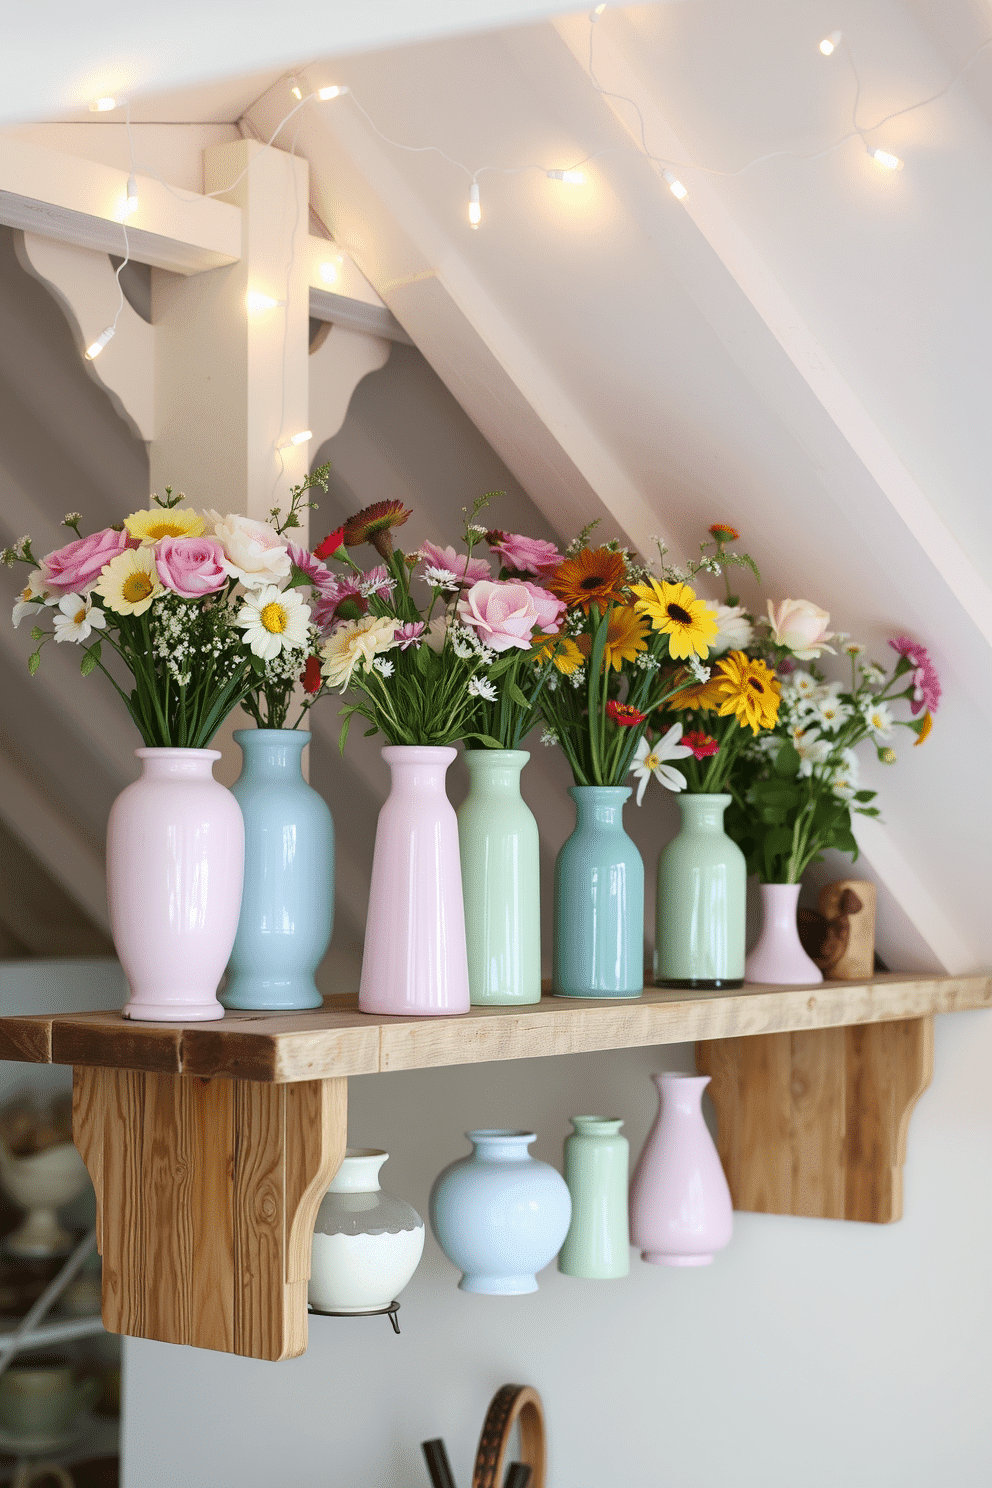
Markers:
510,1404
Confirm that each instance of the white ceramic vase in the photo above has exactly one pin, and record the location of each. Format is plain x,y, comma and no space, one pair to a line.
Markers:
366,1244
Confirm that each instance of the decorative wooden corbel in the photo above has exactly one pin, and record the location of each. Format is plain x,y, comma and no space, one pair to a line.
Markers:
339,359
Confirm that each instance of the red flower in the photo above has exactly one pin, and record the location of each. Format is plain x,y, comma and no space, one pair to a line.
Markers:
331,543
702,745
624,714
723,532
312,679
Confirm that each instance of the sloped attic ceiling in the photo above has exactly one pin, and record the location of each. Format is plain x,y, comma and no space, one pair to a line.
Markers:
801,346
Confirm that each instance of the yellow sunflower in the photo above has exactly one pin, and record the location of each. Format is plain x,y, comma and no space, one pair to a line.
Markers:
626,635
750,690
130,581
593,576
149,526
562,649
674,610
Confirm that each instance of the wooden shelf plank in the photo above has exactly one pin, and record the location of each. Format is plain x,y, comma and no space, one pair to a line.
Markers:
337,1040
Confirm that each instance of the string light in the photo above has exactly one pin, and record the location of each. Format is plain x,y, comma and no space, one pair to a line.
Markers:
830,43
891,162
296,439
572,177
103,105
256,302
597,11
325,93
296,88
95,347
130,203
675,185
474,205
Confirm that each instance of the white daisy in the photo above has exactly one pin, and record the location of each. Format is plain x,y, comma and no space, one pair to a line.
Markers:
440,578
831,713
812,750
872,674
33,590
879,718
273,620
854,648
482,687
805,685
77,618
845,780
650,760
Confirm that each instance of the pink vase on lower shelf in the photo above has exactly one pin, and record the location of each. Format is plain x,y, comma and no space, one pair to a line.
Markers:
778,957
680,1207
415,962
175,869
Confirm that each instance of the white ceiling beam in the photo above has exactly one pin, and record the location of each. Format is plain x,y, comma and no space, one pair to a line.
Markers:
73,865
616,71
80,201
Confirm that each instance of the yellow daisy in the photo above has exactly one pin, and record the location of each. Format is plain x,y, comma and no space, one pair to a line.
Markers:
704,697
148,526
130,582
674,610
566,654
750,691
626,635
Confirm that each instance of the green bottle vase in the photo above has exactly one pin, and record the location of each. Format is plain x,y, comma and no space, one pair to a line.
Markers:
599,901
501,881
597,1158
702,880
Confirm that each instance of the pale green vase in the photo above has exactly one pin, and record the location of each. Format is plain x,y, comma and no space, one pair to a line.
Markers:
597,1158
501,881
702,881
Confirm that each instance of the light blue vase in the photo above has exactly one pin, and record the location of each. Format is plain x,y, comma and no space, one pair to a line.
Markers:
501,881
287,909
599,901
500,1215
702,882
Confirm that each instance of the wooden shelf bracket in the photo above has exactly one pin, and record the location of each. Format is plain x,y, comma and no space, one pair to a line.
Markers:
814,1122
207,1192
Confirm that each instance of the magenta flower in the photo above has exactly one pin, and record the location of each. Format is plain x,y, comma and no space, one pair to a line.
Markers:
468,571
191,566
926,683
410,634
523,554
346,590
75,568
550,609
317,573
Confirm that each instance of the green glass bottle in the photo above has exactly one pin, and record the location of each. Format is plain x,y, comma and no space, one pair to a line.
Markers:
702,881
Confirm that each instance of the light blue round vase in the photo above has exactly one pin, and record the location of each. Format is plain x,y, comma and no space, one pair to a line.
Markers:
599,901
500,1216
287,909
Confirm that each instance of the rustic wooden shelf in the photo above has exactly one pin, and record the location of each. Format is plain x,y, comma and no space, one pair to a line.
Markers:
210,1145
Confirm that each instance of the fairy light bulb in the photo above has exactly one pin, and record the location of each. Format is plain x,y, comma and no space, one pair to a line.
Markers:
258,303
891,162
103,105
295,439
675,185
330,272
333,92
474,205
130,204
296,88
830,43
571,177
95,347
596,12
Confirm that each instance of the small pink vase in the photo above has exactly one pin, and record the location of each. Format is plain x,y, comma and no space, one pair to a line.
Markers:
175,866
414,960
680,1207
778,957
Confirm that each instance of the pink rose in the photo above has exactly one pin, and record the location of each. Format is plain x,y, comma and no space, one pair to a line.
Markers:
801,627
549,609
501,614
523,554
192,566
467,570
75,568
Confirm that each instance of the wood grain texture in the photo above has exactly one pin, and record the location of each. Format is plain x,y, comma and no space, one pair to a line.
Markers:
207,1193
814,1122
337,1040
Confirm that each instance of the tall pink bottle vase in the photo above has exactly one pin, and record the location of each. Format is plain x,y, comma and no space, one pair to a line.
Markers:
680,1207
415,961
175,868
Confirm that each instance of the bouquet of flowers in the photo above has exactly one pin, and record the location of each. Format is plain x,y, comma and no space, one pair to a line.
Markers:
202,612
631,643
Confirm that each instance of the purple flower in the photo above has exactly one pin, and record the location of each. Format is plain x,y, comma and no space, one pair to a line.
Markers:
310,565
410,634
926,683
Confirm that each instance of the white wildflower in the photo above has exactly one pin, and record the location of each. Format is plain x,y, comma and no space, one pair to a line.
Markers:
77,618
878,717
549,737
33,590
384,667
873,675
832,713
481,687
812,750
650,759
698,670
440,578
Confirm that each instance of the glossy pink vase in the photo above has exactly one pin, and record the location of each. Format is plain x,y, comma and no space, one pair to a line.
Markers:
680,1208
414,960
778,957
175,865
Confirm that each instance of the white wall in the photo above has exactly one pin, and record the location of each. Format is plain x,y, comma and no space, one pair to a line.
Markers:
812,1352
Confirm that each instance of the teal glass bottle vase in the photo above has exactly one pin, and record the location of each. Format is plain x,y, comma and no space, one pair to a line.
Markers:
599,901
287,909
702,879
501,881
597,1159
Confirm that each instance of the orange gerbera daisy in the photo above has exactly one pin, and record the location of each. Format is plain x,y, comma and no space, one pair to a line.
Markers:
372,525
723,532
626,635
593,576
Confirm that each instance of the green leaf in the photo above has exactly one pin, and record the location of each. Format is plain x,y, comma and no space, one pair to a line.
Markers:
34,662
865,795
787,760
516,694
486,740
